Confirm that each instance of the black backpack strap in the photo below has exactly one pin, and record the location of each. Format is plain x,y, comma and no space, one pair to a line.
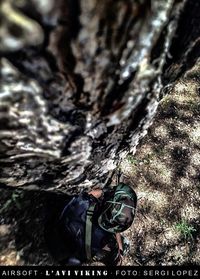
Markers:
88,231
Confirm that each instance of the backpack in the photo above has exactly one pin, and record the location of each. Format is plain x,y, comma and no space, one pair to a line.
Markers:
87,238
90,228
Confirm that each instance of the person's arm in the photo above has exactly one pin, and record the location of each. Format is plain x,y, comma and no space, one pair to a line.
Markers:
120,245
119,241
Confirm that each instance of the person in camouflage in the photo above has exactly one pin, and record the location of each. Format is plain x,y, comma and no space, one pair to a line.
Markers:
90,224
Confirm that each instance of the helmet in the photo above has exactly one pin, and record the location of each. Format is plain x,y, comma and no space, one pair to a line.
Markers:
118,212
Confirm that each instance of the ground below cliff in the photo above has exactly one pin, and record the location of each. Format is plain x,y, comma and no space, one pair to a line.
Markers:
165,174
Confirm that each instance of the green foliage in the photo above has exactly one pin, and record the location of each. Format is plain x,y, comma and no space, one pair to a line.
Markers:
6,205
166,101
195,106
15,199
148,158
132,160
16,196
160,151
185,229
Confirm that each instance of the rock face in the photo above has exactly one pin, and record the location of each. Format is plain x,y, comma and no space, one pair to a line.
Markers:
81,81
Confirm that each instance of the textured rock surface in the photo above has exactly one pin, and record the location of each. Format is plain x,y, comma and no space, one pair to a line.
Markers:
81,90
80,84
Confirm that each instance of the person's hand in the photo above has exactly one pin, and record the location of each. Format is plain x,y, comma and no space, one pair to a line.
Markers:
97,193
120,257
